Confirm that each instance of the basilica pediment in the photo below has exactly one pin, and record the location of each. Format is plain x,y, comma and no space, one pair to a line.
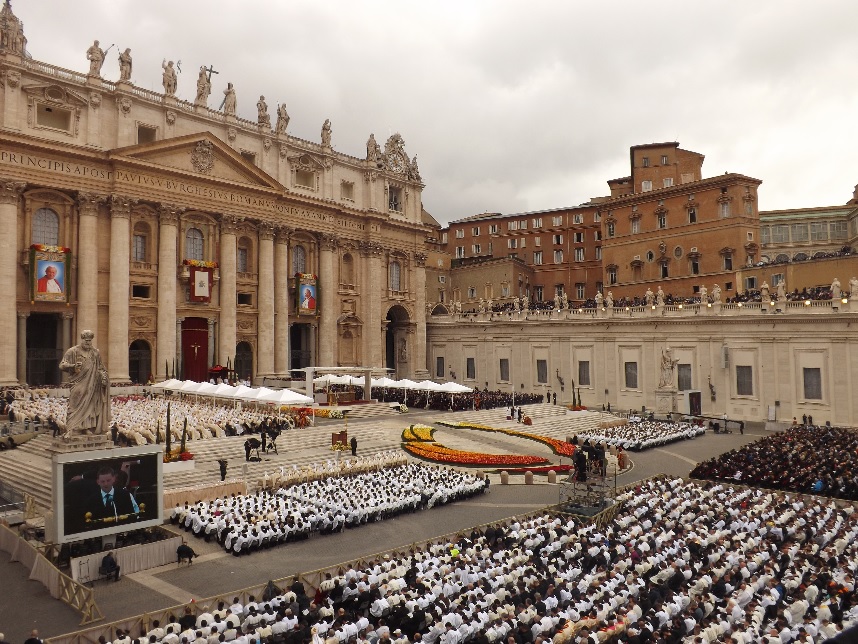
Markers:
200,154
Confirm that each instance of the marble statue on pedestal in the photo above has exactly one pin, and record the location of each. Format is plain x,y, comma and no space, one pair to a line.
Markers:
836,293
781,291
599,299
204,87
95,56
263,117
125,65
609,300
649,297
704,295
765,294
229,100
853,288
282,119
668,365
716,294
659,297
89,398
169,78
326,133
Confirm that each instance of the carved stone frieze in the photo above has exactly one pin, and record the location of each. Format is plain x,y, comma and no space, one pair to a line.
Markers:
202,157
124,105
10,191
171,117
265,231
94,100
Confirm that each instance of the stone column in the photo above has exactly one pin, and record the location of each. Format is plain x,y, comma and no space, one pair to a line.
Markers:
120,258
328,284
211,348
10,192
265,308
179,354
167,264
226,327
66,339
281,302
87,263
374,282
22,346
419,368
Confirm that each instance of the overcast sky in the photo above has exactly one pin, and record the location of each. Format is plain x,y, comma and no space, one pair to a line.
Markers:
514,106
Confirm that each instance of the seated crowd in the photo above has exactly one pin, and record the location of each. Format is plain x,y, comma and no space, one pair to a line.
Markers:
681,563
643,434
244,523
818,460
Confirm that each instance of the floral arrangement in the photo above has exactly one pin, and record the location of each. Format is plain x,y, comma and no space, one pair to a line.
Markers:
340,447
440,454
199,263
326,412
418,433
50,249
177,454
561,448
403,408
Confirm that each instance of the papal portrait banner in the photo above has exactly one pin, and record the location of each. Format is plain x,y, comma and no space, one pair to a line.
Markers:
201,284
50,274
306,289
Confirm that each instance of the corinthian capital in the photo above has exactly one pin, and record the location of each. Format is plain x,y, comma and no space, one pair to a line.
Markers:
88,202
168,214
229,224
328,242
265,231
10,191
120,206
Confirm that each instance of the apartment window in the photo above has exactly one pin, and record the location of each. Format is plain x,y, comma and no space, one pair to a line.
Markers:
838,230
683,375
818,232
750,282
631,373
584,373
578,219
724,209
460,252
522,242
472,292
475,231
557,239
475,249
46,227
537,222
780,234
138,248
460,233
512,225
443,238
663,159
728,261
612,276
598,252
799,232
504,369
636,226
522,224
141,291
744,380
777,278
241,260
194,244
692,215
537,258
537,241
542,371
579,238
493,229
611,229
394,199
580,289
766,235
395,276
537,293
558,256
645,162
646,186
662,220
728,286
579,254
663,270
347,190
471,368
512,243
557,221
597,217
439,367
812,383
244,299
695,267
597,235
667,182
558,290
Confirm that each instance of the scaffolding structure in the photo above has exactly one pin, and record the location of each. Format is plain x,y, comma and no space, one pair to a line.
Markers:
589,497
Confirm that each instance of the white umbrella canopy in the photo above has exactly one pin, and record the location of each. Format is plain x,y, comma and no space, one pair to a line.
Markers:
428,385
286,397
172,383
455,388
256,394
206,389
332,379
357,380
224,391
241,392
405,383
383,382
190,387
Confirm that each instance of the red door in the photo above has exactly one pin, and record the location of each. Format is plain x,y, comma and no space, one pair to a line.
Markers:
195,349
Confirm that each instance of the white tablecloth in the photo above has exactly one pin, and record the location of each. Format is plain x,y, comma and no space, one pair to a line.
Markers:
130,559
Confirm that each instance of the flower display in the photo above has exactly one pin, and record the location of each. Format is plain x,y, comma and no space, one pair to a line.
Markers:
440,454
418,433
199,263
50,249
177,454
561,448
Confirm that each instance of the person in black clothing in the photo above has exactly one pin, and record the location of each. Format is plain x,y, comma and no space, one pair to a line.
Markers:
353,443
247,450
188,620
33,639
519,414
555,397
222,462
184,551
109,566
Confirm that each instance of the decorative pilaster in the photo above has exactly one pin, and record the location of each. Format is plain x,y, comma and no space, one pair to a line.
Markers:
265,315
22,346
179,354
10,193
87,262
328,283
281,301
167,264
420,368
211,347
374,275
120,258
226,327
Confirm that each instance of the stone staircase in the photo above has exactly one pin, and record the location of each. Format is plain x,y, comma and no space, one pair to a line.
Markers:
28,469
369,410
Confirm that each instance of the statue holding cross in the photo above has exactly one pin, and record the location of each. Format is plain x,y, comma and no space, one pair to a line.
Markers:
204,85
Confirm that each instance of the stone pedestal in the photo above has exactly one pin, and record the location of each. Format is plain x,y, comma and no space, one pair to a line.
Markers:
665,400
80,443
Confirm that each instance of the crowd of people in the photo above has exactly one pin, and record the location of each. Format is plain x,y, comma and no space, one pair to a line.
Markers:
810,459
682,562
641,434
245,523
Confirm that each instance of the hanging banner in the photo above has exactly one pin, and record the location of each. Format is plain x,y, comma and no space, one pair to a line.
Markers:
306,290
50,275
201,284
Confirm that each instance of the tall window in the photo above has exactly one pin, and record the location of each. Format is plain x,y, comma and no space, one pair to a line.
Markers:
241,259
348,269
636,226
579,254
631,373
662,220
612,276
439,366
394,201
537,257
194,244
299,260
598,252
46,227
580,290
471,368
683,372
395,276
692,215
558,256
724,209
460,252
504,369
538,293
744,380
646,186
812,383
542,371
138,248
728,262
611,229
584,373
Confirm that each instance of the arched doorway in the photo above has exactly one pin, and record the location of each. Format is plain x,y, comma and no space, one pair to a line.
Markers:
139,361
397,349
43,349
244,361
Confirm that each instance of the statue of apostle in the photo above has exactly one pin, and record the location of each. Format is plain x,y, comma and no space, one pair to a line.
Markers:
89,398
95,56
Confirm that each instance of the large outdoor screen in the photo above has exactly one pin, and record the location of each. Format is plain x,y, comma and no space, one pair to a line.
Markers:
104,492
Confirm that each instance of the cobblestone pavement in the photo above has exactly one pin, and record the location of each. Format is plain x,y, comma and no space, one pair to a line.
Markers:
26,604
